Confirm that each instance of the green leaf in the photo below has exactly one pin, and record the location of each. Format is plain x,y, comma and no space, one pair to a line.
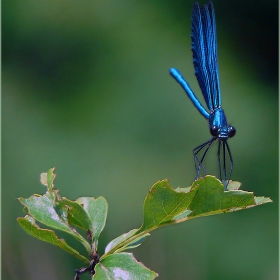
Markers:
134,243
122,266
125,242
211,198
29,225
45,210
163,204
77,216
97,212
50,178
118,240
47,179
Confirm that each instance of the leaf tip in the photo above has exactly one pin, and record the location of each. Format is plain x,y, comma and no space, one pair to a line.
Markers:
262,199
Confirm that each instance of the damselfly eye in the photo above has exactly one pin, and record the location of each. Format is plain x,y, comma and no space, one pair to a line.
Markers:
214,130
231,131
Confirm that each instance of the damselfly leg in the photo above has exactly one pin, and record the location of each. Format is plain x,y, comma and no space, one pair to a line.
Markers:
198,160
225,167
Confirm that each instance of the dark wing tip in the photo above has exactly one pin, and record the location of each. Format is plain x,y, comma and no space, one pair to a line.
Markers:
196,9
210,5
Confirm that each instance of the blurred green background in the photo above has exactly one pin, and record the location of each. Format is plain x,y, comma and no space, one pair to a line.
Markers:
86,89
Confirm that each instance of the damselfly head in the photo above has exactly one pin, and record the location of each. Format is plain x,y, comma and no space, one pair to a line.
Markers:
222,133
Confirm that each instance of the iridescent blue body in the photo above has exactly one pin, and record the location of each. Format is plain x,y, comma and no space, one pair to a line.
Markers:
204,48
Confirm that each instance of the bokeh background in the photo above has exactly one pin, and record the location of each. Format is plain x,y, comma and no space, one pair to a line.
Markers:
86,89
